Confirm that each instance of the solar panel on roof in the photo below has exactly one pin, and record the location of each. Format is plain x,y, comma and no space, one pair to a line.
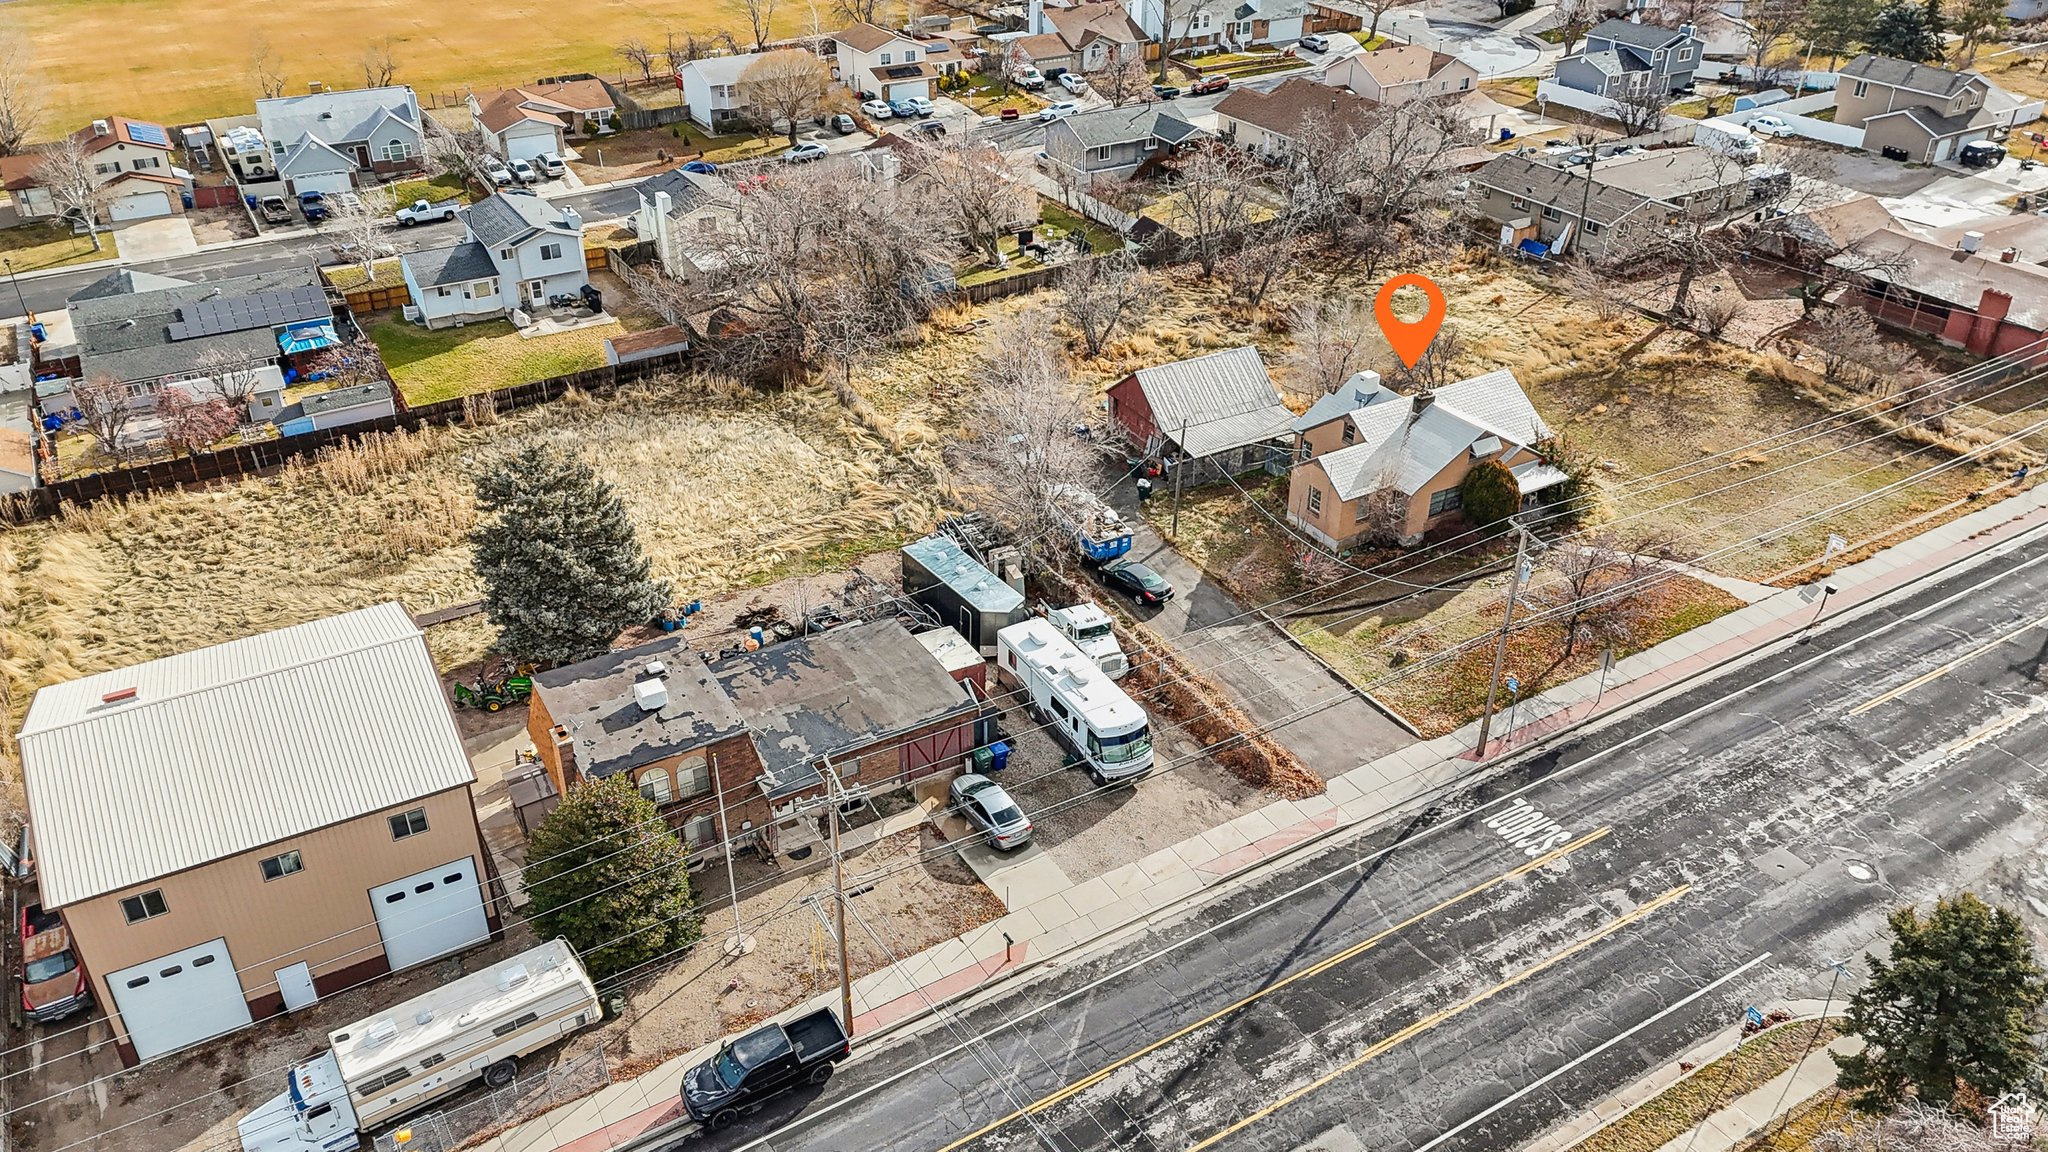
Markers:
241,313
149,134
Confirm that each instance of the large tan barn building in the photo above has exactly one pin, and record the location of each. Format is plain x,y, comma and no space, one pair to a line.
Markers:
240,830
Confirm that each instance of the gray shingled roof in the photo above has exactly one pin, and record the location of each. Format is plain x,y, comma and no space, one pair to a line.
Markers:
334,399
687,191
337,117
445,267
1937,125
1906,74
122,283
1106,126
1357,392
610,732
127,335
1646,36
1543,184
503,219
1213,403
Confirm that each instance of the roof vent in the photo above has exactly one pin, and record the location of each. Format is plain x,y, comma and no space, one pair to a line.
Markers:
513,977
383,1031
656,668
1971,241
118,696
651,695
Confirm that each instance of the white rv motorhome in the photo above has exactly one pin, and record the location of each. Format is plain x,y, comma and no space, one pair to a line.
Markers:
1089,627
431,1046
1092,716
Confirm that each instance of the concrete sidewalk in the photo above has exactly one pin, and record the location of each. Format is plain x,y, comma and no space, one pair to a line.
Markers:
1756,1111
1048,920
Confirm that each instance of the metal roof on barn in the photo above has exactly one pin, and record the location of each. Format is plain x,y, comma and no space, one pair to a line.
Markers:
1213,403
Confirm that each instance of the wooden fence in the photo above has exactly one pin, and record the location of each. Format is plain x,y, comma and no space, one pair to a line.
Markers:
1016,285
366,300
268,455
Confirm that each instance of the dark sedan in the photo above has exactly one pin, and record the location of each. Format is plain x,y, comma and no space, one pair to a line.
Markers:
1141,584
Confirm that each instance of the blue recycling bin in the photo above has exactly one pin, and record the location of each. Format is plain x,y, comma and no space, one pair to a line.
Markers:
998,756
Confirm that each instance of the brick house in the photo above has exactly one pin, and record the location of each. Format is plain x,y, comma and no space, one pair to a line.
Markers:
1980,290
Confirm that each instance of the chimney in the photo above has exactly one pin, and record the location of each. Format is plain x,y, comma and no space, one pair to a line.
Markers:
1420,403
101,128
314,87
572,219
651,694
2008,256
1368,386
565,754
1971,241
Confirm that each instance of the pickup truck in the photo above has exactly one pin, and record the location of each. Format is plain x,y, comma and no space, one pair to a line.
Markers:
423,211
274,210
762,1064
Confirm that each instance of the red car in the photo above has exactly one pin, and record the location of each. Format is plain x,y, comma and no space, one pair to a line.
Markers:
1208,84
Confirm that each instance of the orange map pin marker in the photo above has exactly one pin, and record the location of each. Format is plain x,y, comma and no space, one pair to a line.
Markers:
1410,341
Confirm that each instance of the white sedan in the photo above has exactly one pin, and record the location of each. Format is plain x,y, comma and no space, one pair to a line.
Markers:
876,109
1770,126
1052,112
804,153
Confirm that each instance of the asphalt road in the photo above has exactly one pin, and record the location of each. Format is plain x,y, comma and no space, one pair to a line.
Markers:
1446,984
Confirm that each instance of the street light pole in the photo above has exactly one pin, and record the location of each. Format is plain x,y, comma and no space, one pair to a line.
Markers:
1507,620
741,943
832,795
16,281
1826,590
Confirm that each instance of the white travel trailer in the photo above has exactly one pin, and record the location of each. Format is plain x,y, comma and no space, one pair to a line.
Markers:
431,1046
1092,716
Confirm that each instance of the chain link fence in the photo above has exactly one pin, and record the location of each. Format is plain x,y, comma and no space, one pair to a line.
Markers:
494,1110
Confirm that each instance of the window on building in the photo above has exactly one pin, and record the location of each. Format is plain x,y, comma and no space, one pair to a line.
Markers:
1464,84
441,292
505,254
888,57
1244,28
1862,88
1100,152
395,150
1684,54
700,831
1363,512
1592,228
281,865
1551,214
693,778
410,823
1448,500
551,251
1517,203
105,169
1350,431
145,906
656,786
910,55
1315,501
146,162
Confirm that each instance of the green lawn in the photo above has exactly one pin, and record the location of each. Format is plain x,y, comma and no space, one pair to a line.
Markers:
29,247
432,365
432,190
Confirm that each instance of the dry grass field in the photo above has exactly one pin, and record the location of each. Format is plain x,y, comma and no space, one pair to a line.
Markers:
179,63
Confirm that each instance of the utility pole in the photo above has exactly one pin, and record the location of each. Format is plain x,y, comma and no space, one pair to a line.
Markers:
832,792
1507,620
741,943
1180,463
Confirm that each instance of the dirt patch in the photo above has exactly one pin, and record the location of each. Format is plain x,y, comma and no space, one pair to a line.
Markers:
219,225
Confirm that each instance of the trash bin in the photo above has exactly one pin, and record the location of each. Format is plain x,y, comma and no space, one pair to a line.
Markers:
999,756
984,760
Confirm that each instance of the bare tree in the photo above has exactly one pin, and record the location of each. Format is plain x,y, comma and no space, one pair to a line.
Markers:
783,88
21,95
1331,339
979,190
1672,13
858,11
1769,22
1575,18
1125,81
194,423
452,153
380,62
1170,41
1098,296
1390,165
1021,454
353,362
1694,240
1436,367
1915,1126
662,294
1382,516
231,378
66,173
1215,201
1640,109
104,408
760,14
633,50
1597,590
1977,22
266,68
1596,286
1378,8
359,225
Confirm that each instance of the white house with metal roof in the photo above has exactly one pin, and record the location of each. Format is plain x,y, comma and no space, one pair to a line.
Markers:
1371,461
1220,411
518,252
239,830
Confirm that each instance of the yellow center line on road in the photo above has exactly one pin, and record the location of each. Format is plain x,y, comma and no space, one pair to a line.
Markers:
1944,670
1431,1021
1354,950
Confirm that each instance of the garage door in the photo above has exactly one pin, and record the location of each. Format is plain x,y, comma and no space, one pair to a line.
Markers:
179,999
140,206
431,914
330,183
906,91
528,147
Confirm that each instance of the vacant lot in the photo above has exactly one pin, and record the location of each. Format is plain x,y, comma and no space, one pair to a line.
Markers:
440,364
197,64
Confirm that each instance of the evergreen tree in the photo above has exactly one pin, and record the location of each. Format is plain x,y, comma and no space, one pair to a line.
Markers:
1837,25
608,875
1953,1003
1900,31
1489,494
1937,29
562,568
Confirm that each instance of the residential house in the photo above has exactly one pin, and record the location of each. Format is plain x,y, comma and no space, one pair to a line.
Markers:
1114,143
322,140
711,90
517,252
1268,124
1372,461
1405,72
1085,37
1916,112
1188,25
1982,287
1206,25
1544,205
132,164
876,62
154,332
1219,412
338,407
1620,57
237,831
525,122
756,734
681,214
1812,233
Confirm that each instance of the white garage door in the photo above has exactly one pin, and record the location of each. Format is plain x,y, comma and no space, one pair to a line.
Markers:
906,91
179,999
431,914
140,206
330,183
528,147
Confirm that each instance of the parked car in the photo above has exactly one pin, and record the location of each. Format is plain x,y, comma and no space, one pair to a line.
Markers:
1315,42
524,172
313,206
903,109
928,129
921,106
876,109
984,804
495,169
1052,112
424,211
701,168
1166,91
805,153
1208,84
1030,78
1140,583
1980,154
764,1063
1009,114
53,983
840,122
1074,82
1770,126
274,210
550,165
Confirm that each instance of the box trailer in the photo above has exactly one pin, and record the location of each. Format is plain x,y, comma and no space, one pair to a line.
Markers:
940,575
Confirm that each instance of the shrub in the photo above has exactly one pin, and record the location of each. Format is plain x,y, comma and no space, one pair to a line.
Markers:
1489,494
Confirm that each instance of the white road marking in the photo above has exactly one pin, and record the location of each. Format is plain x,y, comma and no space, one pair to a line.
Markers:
1592,1052
1522,825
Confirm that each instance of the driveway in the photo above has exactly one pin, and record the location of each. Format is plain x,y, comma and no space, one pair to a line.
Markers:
1488,50
1951,194
1320,719
158,239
